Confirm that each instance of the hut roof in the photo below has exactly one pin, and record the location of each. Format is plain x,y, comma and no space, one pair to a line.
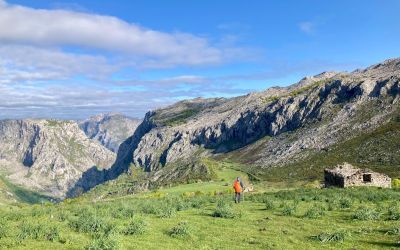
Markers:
346,169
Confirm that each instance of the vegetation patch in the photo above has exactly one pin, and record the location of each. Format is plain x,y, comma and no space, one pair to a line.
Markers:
289,209
393,231
394,212
3,228
180,118
224,210
136,226
89,223
180,230
366,213
38,231
167,212
315,212
327,237
269,204
120,222
103,243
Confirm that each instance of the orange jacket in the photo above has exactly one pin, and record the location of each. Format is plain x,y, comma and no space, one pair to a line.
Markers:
237,187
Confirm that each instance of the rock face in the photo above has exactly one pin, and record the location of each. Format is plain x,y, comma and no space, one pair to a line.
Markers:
311,115
269,129
109,129
48,155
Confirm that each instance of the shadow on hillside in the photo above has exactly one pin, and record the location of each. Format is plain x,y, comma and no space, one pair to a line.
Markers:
24,195
384,244
93,176
32,197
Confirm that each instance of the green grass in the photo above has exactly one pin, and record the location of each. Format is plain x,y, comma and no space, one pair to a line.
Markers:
222,179
82,224
180,118
56,123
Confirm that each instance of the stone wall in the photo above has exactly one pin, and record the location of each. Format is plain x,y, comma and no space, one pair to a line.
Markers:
347,176
367,178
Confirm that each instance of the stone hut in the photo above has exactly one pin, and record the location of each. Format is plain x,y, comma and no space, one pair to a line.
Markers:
346,175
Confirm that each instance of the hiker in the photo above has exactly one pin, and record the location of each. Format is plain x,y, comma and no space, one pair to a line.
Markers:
238,186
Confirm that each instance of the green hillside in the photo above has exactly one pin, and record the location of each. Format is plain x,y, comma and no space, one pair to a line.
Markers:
11,193
365,218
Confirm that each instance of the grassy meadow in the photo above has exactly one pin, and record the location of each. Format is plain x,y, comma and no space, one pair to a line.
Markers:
204,216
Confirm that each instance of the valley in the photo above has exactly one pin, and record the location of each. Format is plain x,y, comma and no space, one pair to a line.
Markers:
113,182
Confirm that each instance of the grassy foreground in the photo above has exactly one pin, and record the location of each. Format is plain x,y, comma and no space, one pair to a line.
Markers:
359,218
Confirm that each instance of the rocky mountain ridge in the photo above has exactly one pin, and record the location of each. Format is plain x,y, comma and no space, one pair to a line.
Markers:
312,115
48,155
110,129
269,129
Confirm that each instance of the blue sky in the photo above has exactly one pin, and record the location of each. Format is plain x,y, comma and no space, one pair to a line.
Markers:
73,59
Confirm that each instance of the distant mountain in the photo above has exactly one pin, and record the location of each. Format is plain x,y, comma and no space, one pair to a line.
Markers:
276,129
48,156
110,129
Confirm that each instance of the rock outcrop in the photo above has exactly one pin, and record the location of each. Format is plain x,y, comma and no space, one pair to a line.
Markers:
308,116
109,129
48,155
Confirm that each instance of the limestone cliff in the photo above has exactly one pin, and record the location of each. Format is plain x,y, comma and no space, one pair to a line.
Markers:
48,155
311,115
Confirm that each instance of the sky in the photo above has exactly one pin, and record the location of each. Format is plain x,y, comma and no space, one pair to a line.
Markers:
74,59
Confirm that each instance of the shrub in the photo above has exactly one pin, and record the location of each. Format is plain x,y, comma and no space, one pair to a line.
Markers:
396,183
199,193
37,211
123,213
3,228
188,194
88,223
345,203
135,227
36,231
180,230
224,210
62,215
269,204
333,205
167,212
181,206
315,212
393,231
150,208
339,236
394,212
103,243
366,213
198,202
15,216
289,210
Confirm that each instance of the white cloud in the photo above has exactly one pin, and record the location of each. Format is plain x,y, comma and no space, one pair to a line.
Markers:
20,63
61,64
307,27
43,27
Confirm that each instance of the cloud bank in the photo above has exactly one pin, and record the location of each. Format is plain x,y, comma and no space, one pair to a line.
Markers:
41,27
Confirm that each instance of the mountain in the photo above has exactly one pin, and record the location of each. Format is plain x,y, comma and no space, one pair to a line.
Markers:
48,156
109,129
274,129
281,134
